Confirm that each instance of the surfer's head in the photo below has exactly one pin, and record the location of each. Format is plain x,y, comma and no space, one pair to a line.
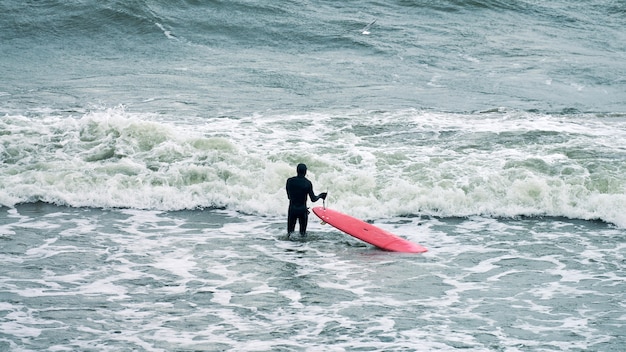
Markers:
301,169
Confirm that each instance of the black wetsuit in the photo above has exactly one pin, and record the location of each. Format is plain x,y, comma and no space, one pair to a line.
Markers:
298,188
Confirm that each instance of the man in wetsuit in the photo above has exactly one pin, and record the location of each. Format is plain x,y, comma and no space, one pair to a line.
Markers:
298,188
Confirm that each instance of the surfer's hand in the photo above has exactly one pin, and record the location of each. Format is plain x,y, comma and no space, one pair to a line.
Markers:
323,195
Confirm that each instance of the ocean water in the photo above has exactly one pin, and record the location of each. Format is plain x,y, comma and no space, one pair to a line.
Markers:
145,145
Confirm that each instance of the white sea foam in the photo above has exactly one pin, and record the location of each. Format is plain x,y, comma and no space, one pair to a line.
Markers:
372,164
162,281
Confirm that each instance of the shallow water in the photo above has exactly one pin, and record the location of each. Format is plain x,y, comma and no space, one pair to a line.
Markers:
110,280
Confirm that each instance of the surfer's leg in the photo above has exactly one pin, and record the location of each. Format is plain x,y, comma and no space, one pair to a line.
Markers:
291,223
304,220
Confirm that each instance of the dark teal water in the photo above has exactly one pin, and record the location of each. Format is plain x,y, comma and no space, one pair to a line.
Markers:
211,58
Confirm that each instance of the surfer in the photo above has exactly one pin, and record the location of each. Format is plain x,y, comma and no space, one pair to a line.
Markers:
298,188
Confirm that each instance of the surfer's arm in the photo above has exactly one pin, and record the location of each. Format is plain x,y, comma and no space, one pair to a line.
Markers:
288,188
315,198
312,195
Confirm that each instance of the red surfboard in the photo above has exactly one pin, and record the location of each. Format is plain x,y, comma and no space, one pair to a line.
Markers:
367,232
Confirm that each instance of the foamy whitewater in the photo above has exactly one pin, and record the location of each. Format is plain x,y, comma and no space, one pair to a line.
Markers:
145,146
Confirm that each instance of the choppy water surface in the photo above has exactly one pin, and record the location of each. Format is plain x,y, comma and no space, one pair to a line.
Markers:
492,133
83,279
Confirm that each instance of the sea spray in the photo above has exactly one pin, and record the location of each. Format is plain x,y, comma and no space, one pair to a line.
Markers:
502,164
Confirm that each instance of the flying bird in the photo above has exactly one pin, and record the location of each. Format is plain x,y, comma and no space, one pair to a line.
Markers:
366,29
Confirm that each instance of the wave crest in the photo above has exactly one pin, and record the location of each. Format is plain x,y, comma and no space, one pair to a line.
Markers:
457,165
